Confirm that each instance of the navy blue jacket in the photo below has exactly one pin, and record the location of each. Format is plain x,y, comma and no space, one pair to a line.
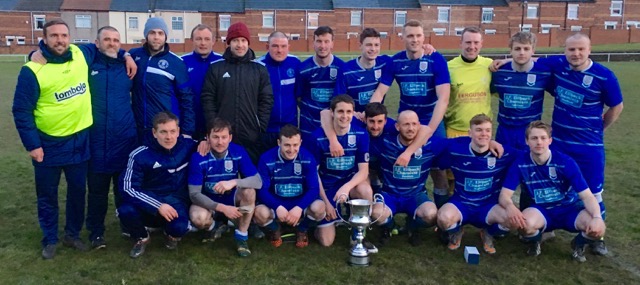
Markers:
161,84
57,150
113,134
197,68
283,79
155,175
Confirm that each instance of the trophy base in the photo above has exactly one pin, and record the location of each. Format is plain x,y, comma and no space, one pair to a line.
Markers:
360,261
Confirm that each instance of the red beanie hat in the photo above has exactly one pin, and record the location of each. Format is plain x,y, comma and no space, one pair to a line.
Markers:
238,30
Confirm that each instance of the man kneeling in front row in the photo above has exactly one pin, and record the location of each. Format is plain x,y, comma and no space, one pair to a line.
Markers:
561,197
290,189
215,186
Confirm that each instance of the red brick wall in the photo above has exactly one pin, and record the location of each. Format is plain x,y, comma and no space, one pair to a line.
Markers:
21,24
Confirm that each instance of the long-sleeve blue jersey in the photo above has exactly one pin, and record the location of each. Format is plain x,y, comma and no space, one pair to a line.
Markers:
521,93
197,67
314,86
155,175
160,78
208,170
283,79
288,182
359,82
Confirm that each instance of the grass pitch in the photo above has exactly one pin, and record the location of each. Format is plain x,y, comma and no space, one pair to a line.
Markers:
397,263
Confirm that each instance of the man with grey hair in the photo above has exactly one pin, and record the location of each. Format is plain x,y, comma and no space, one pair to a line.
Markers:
282,69
162,83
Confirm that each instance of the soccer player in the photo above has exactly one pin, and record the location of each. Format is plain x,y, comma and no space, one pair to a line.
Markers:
316,80
290,189
161,83
359,77
470,84
478,180
424,85
198,62
582,89
403,186
154,185
343,176
215,184
282,72
521,87
562,199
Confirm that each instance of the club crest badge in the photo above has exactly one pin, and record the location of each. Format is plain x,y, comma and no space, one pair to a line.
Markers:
228,165
531,79
351,140
290,72
418,153
552,173
333,73
587,80
163,64
424,66
377,73
297,168
491,162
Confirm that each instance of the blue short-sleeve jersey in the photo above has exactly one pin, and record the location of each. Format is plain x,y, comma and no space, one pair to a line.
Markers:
285,181
315,86
359,82
580,97
555,183
208,170
407,180
478,179
521,93
335,171
417,80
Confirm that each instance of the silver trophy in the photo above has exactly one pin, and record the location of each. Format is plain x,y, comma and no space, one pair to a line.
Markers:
360,219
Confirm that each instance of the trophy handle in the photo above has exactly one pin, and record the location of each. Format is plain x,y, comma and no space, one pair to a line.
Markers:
376,197
337,210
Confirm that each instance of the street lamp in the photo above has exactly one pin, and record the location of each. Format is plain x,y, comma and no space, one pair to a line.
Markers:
524,7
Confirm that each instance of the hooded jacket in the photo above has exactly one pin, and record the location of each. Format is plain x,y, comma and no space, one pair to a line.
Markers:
238,90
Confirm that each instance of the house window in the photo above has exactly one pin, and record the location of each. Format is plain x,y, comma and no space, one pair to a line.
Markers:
610,25
263,37
267,19
10,39
20,40
633,24
356,18
312,20
223,39
532,11
489,31
81,41
294,37
384,35
137,41
487,15
576,28
443,14
133,23
225,22
459,31
83,21
525,27
544,28
572,11
439,31
352,35
177,23
174,40
401,18
38,22
616,8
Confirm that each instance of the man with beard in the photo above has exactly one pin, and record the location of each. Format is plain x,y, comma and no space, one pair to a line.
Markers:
238,90
163,76
198,62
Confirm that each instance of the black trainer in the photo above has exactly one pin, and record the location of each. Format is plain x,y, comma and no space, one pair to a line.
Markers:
385,236
74,243
170,242
49,251
534,249
578,251
139,247
598,247
414,237
98,243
